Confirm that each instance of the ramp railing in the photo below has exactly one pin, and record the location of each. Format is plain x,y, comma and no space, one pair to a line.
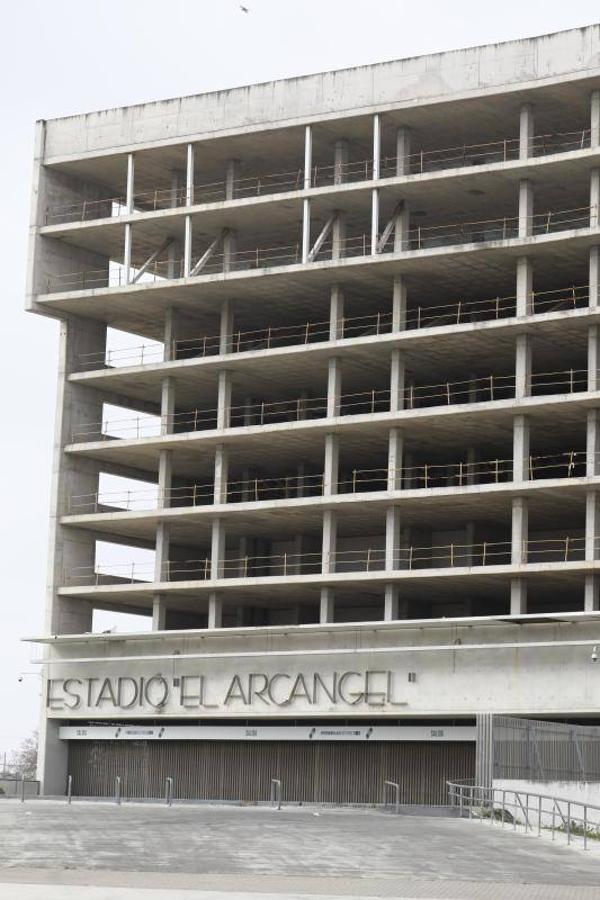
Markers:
527,811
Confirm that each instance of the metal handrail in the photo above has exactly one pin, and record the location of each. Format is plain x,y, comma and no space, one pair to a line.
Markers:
459,312
255,490
416,238
369,559
505,805
357,170
482,389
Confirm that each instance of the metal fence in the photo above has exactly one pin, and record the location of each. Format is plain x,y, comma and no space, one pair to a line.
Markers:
545,751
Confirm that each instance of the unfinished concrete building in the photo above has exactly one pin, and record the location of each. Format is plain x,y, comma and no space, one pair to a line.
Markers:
355,424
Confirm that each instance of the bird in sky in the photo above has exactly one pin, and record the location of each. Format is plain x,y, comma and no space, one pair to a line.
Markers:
244,8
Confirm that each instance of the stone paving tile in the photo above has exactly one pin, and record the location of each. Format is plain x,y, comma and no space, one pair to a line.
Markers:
335,853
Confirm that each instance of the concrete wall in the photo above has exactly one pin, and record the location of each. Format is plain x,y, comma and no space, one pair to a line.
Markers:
426,79
579,793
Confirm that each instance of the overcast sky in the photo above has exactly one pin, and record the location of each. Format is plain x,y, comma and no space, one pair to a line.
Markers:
61,57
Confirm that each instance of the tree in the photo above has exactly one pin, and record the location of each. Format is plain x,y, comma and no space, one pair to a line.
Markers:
24,760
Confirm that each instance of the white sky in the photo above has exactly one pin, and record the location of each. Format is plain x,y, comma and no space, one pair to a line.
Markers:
68,56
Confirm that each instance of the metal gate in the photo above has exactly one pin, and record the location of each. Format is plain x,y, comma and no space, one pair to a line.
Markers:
323,772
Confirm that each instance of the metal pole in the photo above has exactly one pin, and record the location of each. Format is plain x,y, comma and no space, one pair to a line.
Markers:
69,788
22,790
118,789
169,791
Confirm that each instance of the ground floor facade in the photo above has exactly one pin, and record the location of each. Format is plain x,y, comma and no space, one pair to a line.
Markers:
330,713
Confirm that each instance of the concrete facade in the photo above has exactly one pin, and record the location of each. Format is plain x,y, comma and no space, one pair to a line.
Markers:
355,426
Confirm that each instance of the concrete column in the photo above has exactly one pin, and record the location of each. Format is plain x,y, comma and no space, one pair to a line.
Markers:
340,161
518,597
127,251
594,277
221,474
159,613
229,250
520,531
526,131
595,119
376,146
521,448
189,201
592,450
215,610
167,406
523,358
189,175
374,220
334,387
592,358
397,377
594,198
336,313
170,334
165,478
592,525
327,606
399,303
162,553
232,174
591,597
525,208
308,144
338,236
395,448
402,228
390,603
217,549
331,464
403,151
392,538
224,399
329,544
187,247
592,532
129,203
524,286
226,327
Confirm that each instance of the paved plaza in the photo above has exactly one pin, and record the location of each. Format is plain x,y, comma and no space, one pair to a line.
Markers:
50,851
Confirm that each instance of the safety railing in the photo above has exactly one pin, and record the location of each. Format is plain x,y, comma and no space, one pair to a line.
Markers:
391,788
459,312
570,548
484,389
529,812
431,160
275,793
568,464
416,238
